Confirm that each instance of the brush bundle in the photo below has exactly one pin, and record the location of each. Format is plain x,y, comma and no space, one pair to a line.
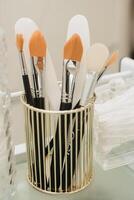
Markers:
59,120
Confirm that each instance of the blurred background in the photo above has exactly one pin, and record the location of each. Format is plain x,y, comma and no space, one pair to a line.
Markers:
110,22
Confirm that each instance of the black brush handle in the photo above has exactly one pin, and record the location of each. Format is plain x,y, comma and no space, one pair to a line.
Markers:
33,102
100,75
63,106
51,143
72,158
27,89
39,103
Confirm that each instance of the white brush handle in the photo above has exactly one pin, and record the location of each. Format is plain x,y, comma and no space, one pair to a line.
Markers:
87,89
52,89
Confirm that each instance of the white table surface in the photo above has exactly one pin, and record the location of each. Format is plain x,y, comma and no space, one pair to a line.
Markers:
116,184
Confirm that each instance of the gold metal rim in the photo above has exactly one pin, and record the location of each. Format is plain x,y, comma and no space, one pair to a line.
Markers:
90,104
60,193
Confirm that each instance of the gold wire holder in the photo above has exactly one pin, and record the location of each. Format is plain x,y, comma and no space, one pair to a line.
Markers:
60,157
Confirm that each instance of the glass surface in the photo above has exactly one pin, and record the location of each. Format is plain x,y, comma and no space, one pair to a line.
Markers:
115,184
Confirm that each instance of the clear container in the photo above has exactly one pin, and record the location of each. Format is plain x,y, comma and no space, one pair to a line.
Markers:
7,165
114,123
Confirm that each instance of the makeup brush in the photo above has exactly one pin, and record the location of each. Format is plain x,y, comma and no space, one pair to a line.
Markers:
19,44
26,27
29,98
67,83
37,48
111,60
79,24
97,56
73,51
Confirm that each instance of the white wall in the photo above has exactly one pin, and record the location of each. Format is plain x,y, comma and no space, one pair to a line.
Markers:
108,21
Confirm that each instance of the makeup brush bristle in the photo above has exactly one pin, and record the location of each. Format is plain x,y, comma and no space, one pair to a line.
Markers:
97,55
37,45
113,58
19,41
73,48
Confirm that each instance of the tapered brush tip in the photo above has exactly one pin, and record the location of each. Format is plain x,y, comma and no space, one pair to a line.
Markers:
113,58
37,45
19,41
73,48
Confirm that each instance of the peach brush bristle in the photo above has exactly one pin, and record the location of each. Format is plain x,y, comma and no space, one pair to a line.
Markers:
113,58
37,45
73,48
19,42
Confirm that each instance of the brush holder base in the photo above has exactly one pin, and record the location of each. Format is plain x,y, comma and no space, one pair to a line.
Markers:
59,148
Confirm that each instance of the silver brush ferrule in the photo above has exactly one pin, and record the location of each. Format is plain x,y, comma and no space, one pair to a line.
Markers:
70,70
37,77
40,83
